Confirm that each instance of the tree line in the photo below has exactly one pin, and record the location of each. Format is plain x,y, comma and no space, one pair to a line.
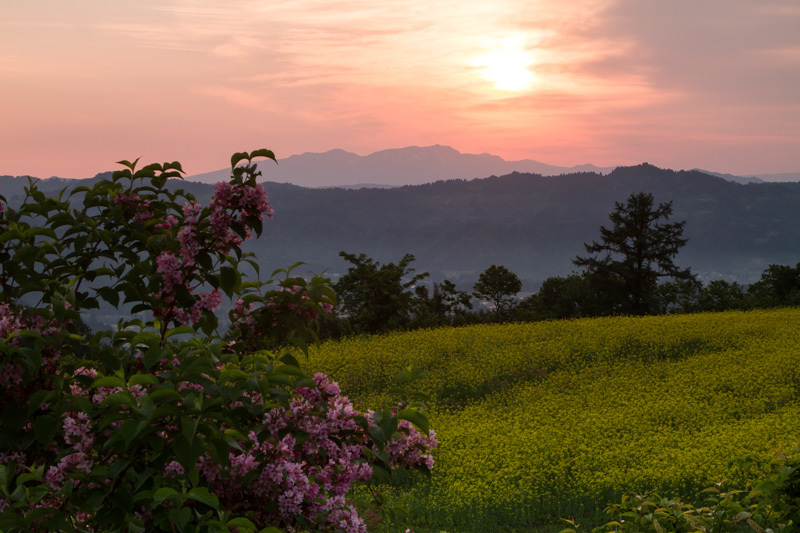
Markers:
630,270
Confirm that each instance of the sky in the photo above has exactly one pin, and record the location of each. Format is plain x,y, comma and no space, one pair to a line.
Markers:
681,84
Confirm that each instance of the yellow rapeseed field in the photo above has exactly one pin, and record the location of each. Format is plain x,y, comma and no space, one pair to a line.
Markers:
553,419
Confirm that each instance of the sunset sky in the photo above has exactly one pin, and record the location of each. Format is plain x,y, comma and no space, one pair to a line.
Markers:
681,84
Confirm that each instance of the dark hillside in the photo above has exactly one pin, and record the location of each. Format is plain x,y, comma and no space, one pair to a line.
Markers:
531,224
534,225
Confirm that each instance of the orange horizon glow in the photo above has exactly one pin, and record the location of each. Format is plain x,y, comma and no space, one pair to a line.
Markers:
607,82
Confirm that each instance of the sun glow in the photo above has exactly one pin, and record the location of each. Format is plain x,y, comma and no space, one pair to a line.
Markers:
506,64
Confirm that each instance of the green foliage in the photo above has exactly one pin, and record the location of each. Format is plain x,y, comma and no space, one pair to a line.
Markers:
634,254
498,285
561,297
149,425
377,298
768,502
444,305
779,285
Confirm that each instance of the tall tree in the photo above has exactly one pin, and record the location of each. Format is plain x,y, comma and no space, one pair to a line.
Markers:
560,297
779,285
377,297
497,284
444,305
634,254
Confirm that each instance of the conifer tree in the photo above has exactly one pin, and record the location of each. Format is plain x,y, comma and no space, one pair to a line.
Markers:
634,254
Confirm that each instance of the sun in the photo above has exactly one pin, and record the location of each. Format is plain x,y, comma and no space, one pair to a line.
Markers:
506,64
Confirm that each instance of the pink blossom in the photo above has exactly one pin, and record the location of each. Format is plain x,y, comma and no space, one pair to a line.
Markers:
169,222
173,470
134,205
70,464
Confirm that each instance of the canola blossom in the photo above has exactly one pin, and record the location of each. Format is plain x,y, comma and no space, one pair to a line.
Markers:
555,419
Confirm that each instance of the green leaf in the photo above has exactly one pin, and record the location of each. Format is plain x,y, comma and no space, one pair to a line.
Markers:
377,434
37,399
108,381
131,429
175,165
109,295
416,418
241,521
163,392
9,235
228,280
180,330
204,496
389,426
40,231
288,359
291,370
263,152
186,452
194,476
45,429
142,379
238,156
153,356
233,375
163,493
146,406
147,338
128,164
189,427
119,398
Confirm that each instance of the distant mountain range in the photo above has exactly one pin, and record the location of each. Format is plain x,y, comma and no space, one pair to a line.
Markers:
416,165
413,165
531,224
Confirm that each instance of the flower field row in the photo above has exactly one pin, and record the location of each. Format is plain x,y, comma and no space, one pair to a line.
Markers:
555,419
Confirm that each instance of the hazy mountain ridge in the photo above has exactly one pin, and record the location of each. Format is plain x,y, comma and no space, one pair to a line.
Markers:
416,165
412,165
531,224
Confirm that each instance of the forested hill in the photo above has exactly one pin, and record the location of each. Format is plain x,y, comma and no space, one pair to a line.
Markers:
534,225
531,224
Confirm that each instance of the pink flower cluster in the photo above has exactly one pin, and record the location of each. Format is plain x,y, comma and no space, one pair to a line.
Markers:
299,461
11,374
309,469
234,205
134,206
174,272
232,208
77,432
244,319
306,312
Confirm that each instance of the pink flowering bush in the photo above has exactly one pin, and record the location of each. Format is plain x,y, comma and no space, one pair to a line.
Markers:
172,421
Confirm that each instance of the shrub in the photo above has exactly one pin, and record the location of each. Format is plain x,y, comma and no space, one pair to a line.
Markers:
169,421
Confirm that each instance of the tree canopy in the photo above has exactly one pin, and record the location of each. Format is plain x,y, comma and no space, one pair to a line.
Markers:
633,254
377,297
497,284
